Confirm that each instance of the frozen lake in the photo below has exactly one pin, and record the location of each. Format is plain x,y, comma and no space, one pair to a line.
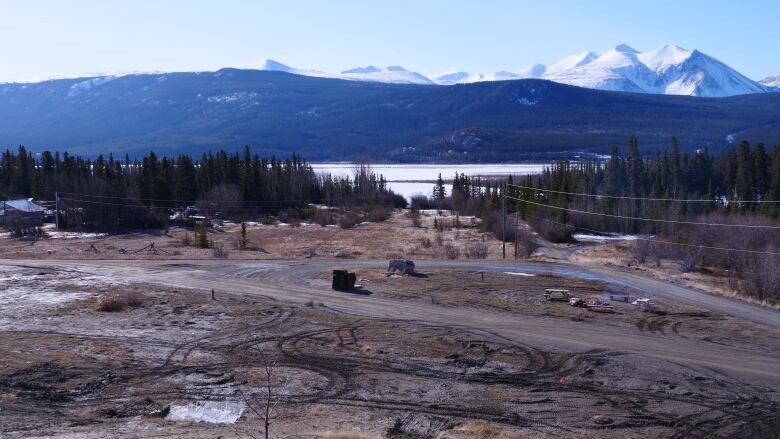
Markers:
412,179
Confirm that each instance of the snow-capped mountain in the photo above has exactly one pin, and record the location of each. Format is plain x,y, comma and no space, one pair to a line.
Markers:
390,74
772,82
451,78
618,69
694,73
668,70
665,70
393,74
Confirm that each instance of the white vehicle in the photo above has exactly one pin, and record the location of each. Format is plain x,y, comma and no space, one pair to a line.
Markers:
556,294
644,304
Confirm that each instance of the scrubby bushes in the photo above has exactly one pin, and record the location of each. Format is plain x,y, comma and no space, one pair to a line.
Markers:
526,243
218,250
552,231
115,302
348,220
449,251
476,250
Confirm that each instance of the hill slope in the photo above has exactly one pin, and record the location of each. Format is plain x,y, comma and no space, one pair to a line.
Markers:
330,119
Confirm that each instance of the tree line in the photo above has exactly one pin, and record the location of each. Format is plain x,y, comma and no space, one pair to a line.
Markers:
699,210
703,211
109,194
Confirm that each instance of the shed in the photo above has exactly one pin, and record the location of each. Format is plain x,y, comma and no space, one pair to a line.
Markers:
22,209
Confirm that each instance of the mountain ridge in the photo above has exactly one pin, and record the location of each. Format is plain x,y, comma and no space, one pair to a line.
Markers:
332,119
668,69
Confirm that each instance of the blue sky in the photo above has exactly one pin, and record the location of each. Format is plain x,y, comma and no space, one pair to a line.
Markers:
44,38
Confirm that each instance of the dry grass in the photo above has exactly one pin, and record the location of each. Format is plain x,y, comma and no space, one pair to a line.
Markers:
349,435
116,302
477,430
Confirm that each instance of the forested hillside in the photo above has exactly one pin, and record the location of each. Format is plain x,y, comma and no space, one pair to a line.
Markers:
331,119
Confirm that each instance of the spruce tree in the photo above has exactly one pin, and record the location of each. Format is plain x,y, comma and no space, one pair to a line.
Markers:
439,191
243,242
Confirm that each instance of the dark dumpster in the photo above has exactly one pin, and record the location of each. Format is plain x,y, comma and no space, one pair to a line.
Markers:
343,280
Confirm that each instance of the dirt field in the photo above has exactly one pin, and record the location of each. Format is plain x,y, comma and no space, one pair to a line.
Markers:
394,238
466,348
176,356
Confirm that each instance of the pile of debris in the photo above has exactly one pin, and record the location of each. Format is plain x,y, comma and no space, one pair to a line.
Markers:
401,266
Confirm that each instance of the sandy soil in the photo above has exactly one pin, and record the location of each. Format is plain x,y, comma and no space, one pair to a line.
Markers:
68,370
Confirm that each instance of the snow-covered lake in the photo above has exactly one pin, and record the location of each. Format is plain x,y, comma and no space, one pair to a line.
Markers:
412,179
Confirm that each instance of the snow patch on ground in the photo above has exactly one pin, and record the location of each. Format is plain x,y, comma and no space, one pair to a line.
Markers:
600,238
52,232
216,412
76,235
519,274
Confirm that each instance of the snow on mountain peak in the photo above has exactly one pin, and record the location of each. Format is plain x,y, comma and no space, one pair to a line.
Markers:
274,66
663,57
625,48
366,69
534,71
771,81
391,74
572,61
455,77
668,69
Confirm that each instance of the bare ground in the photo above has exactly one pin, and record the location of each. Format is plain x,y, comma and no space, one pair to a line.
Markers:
463,350
67,370
396,237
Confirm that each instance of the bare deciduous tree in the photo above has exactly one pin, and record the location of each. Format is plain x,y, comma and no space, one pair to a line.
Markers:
264,404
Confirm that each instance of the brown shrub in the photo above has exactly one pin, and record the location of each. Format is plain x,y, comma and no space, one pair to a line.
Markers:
219,251
449,251
116,302
526,243
476,250
111,302
348,220
379,214
324,217
477,430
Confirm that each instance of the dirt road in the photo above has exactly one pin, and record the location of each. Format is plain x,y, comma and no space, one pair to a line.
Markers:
297,282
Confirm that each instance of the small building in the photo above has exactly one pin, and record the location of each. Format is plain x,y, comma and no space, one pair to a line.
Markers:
21,211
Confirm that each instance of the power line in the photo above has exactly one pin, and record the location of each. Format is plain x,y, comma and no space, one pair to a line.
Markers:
639,238
699,200
178,201
103,203
693,223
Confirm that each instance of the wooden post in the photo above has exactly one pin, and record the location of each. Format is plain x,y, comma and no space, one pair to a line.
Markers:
503,221
212,294
57,210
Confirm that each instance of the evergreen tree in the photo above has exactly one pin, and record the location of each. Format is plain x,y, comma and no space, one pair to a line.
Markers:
439,191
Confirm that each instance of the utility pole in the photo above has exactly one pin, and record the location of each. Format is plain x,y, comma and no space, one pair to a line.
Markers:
503,221
57,210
